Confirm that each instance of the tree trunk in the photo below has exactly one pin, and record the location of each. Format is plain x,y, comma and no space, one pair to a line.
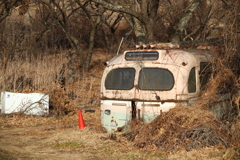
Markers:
138,29
70,66
90,49
75,44
140,32
91,44
149,10
184,21
150,30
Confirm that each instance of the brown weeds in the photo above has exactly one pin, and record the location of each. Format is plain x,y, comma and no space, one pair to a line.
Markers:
181,128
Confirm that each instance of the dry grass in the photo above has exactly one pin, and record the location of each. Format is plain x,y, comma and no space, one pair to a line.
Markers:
58,133
53,138
182,128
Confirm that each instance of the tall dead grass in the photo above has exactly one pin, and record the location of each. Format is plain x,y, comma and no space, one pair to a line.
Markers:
41,75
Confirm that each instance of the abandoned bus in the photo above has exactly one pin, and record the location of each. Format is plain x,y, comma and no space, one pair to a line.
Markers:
144,82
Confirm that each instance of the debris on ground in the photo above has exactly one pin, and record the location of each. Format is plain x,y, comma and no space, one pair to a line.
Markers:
181,128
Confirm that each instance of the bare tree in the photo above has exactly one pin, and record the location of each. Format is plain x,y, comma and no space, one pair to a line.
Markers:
94,15
110,23
141,14
62,12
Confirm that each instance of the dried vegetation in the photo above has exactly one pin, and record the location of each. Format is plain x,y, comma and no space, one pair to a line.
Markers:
181,128
28,66
195,127
189,128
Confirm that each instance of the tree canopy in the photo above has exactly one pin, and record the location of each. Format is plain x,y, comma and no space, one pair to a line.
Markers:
81,24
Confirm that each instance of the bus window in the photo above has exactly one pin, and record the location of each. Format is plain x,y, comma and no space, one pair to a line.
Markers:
155,79
120,79
142,56
192,81
205,73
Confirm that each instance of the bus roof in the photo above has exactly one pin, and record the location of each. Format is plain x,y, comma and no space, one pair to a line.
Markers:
169,56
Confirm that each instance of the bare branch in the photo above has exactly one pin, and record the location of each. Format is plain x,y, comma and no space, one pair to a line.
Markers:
122,9
6,8
184,21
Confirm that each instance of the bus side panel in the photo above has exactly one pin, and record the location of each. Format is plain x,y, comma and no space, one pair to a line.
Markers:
148,111
115,115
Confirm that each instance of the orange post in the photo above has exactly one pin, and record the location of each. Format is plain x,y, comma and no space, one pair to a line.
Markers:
81,123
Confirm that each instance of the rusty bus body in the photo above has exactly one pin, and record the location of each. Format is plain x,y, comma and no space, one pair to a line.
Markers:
142,83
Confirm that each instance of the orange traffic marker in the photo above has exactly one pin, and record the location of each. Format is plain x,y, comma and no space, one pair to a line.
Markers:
81,123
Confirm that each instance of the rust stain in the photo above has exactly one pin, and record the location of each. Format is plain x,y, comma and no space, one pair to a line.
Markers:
119,129
114,121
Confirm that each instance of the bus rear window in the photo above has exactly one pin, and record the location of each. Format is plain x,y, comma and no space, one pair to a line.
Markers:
156,79
120,79
141,56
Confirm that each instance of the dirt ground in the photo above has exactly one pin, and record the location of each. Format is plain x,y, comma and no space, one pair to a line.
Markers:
31,137
26,137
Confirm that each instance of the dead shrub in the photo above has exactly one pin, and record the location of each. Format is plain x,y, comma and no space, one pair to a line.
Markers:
181,128
59,103
224,82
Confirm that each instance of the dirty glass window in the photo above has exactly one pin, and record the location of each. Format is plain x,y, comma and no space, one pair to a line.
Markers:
205,73
143,56
192,81
155,79
120,79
